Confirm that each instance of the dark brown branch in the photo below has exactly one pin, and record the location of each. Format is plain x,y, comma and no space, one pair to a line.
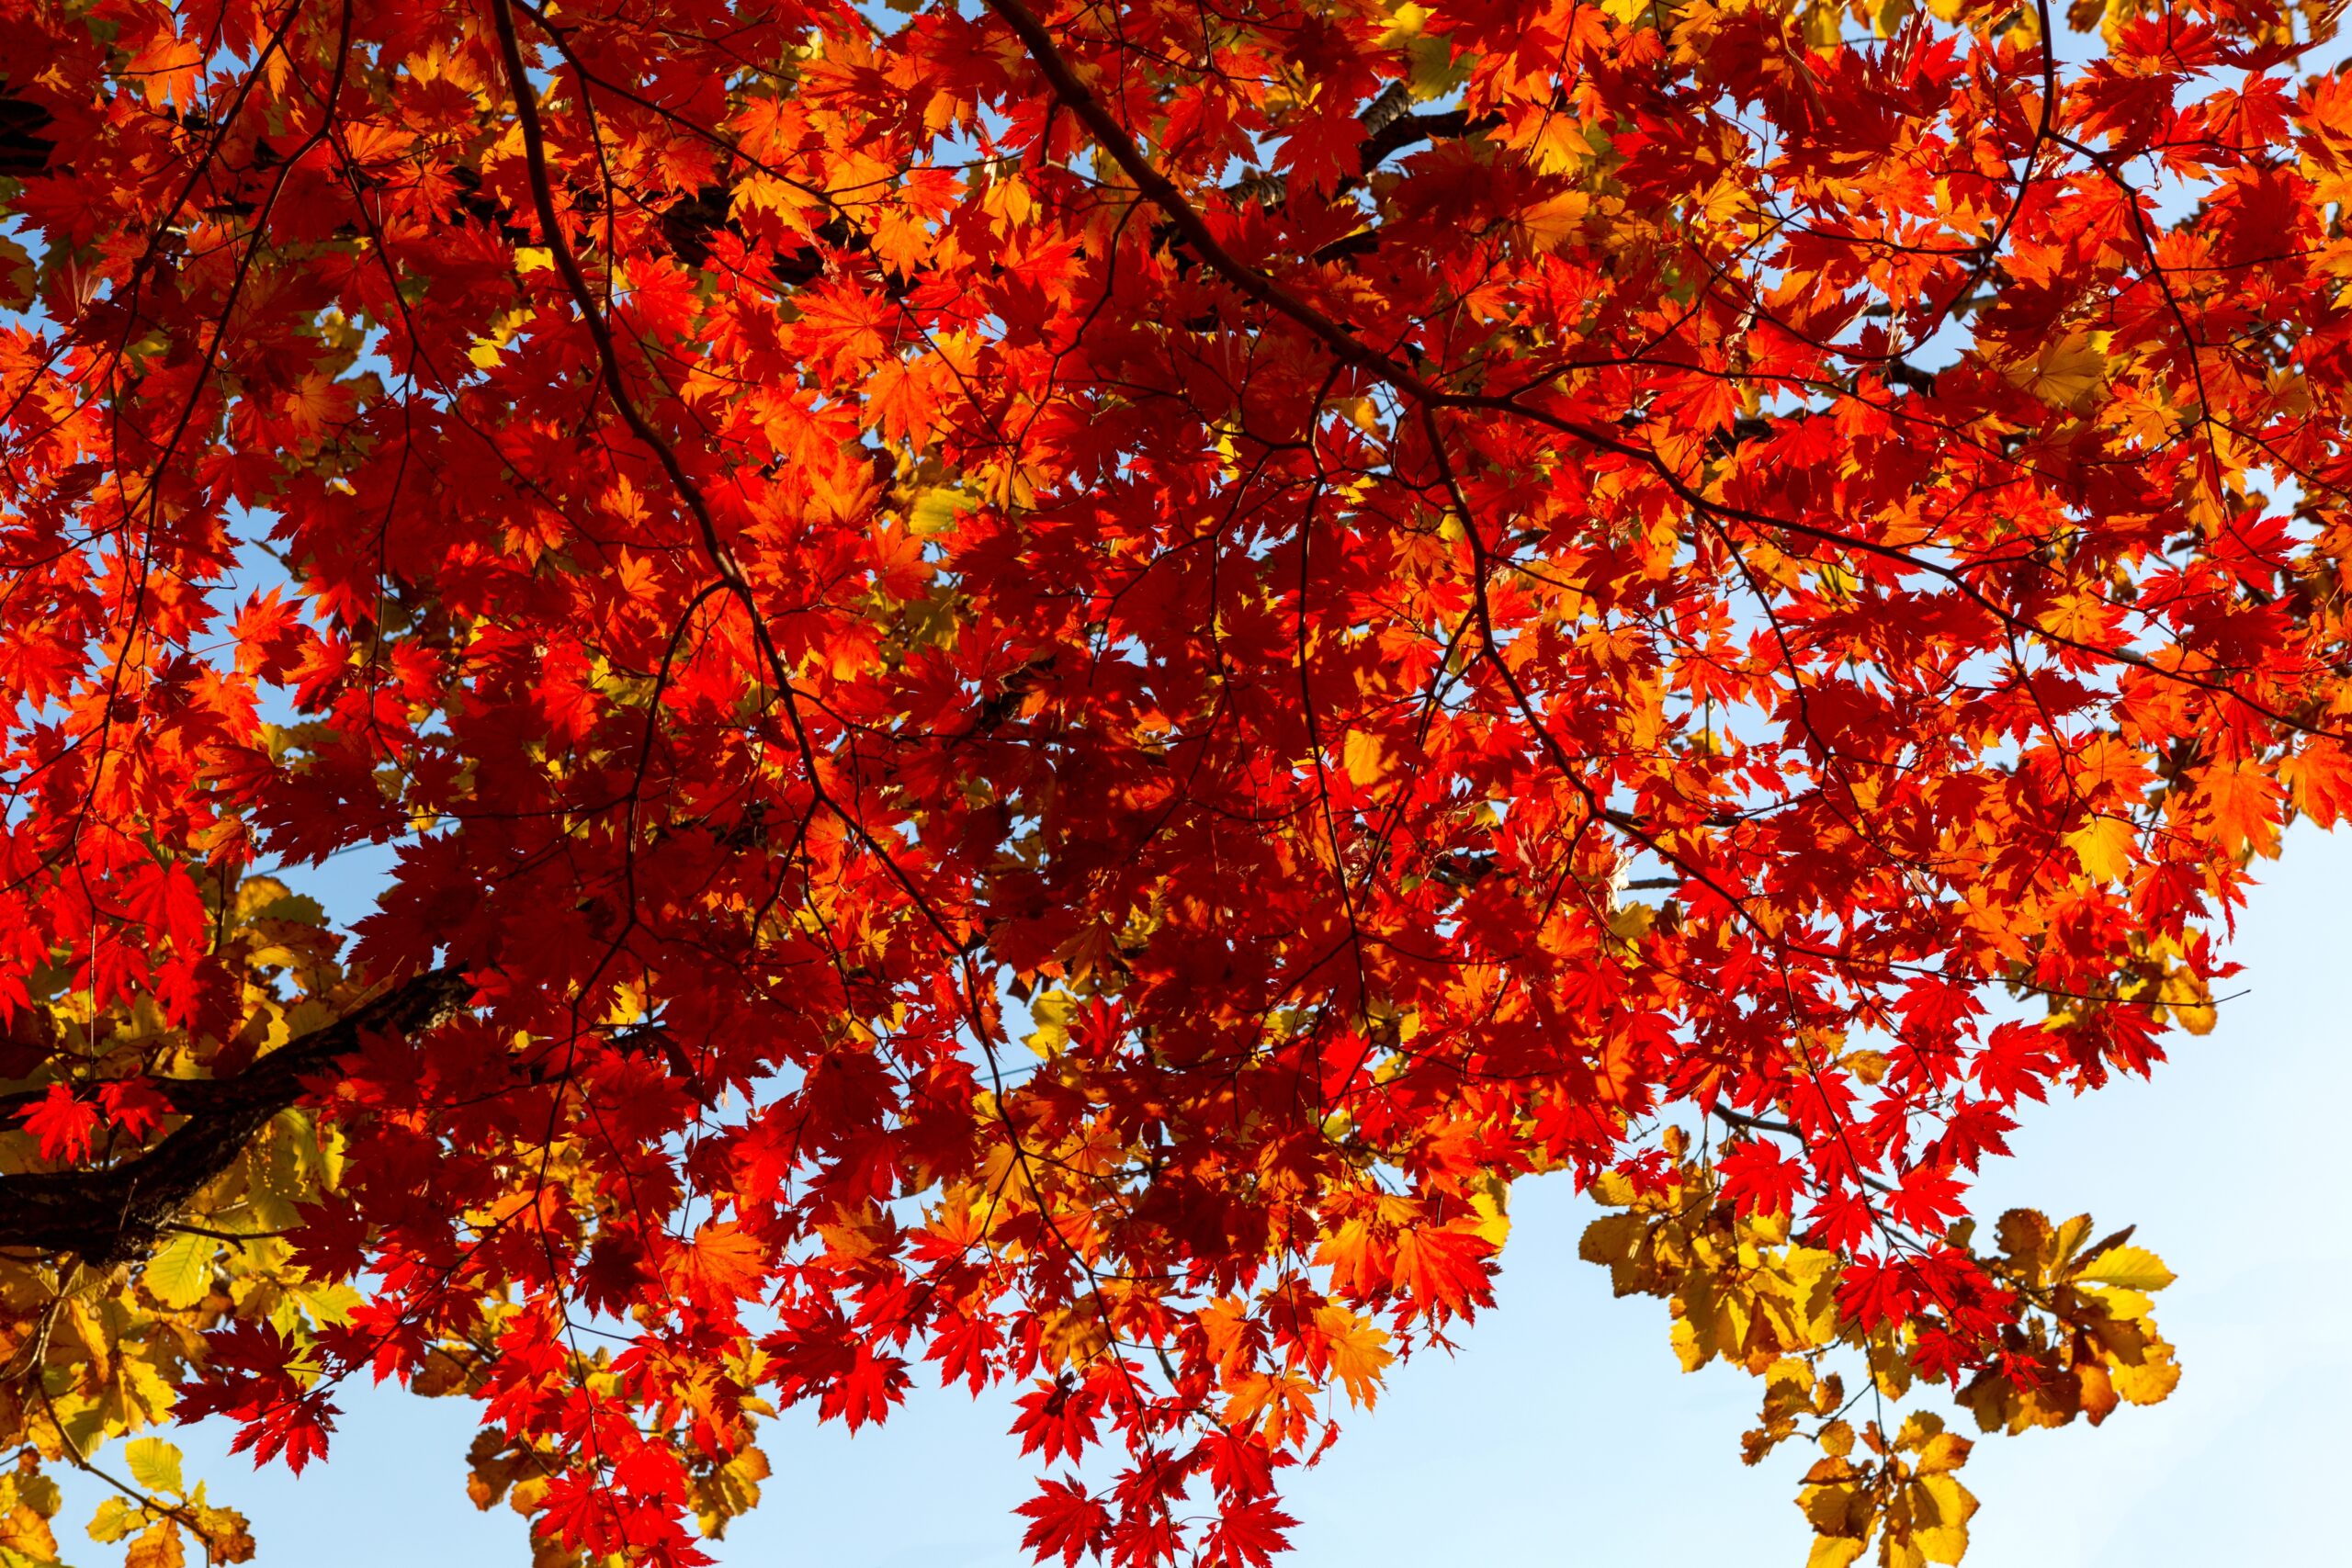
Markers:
1162,193
24,151
110,1215
1353,351
1757,1124
1393,136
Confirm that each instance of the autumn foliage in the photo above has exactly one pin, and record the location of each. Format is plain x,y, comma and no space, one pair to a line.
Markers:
1054,682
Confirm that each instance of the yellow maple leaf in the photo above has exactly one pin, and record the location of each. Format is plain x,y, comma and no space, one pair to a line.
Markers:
1553,223
1365,757
1359,1351
2105,846
2065,369
782,202
1558,144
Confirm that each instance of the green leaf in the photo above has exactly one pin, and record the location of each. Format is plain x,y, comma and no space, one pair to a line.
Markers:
154,1464
329,1305
294,908
180,1275
936,511
116,1518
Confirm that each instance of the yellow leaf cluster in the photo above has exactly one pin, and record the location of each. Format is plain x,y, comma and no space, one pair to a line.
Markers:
1739,1291
1747,1291
94,1353
1899,1492
2091,1342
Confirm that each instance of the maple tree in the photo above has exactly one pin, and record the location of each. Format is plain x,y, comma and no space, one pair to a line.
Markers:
1056,682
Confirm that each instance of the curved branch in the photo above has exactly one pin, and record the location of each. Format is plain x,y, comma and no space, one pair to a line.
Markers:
24,151
113,1214
1350,349
1114,139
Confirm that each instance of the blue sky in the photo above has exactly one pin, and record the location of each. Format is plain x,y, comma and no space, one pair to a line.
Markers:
1563,1433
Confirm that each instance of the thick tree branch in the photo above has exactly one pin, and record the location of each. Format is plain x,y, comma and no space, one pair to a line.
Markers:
24,151
112,1214
1409,129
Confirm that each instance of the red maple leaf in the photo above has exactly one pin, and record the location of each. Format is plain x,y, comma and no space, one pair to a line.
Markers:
64,1124
1065,1520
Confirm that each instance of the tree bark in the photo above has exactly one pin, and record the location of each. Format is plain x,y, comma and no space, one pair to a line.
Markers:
114,1213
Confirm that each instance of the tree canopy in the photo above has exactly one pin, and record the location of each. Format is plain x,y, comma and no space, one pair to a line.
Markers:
1055,681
